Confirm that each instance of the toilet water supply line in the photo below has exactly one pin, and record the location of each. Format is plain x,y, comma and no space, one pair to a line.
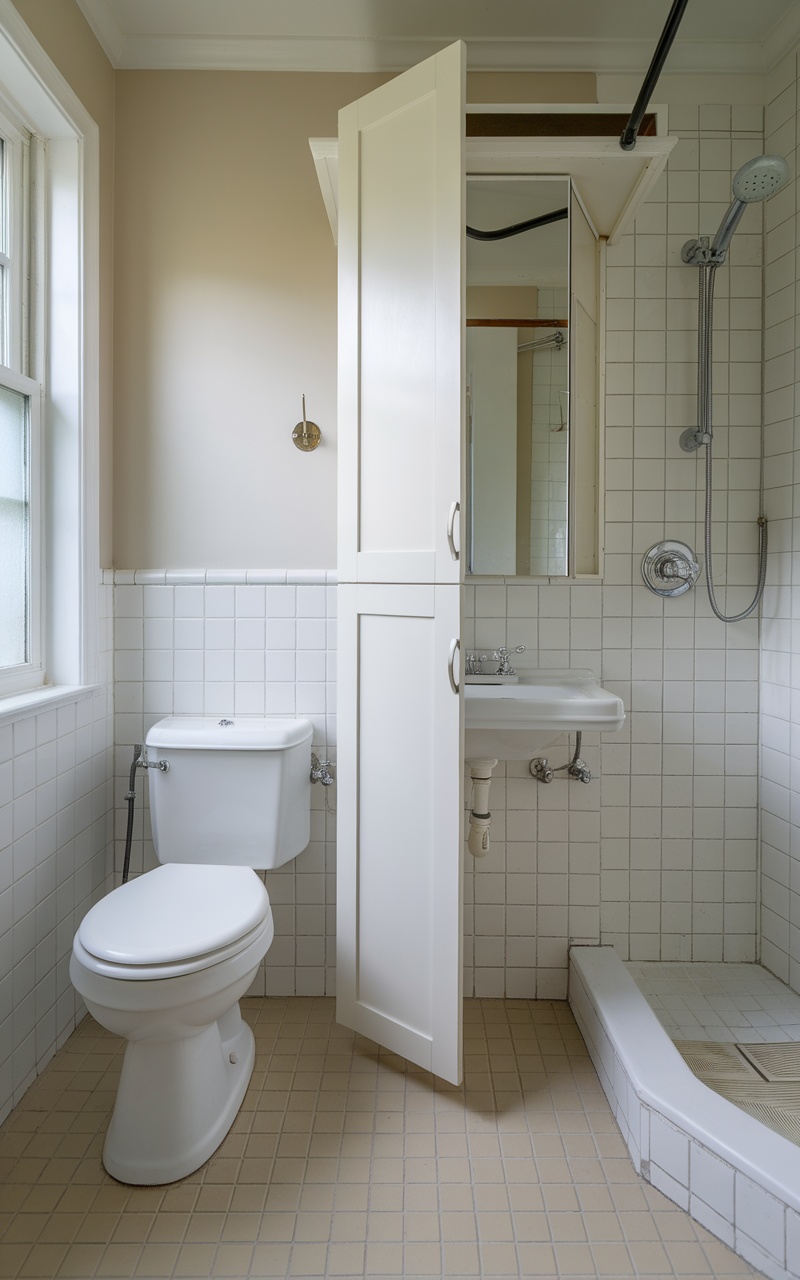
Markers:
139,761
130,800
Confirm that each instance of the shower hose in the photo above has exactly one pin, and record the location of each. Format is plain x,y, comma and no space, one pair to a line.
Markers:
705,323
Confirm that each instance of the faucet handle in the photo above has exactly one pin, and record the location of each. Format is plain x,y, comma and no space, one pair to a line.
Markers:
501,654
474,663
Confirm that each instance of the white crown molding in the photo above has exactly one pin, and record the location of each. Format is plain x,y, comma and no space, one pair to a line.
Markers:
782,39
370,54
105,26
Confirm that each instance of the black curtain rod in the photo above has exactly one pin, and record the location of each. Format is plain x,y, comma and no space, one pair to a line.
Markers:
504,232
629,133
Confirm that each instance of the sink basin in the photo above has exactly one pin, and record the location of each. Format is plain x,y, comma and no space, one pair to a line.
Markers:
516,721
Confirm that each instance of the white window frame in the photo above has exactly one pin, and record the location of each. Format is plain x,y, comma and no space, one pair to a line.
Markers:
29,674
63,352
17,212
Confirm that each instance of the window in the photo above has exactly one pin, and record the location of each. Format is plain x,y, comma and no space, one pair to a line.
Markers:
15,240
20,451
20,649
49,377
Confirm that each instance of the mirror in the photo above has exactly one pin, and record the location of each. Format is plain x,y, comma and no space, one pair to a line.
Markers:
518,380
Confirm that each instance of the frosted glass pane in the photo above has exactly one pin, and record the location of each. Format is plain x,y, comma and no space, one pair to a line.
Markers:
14,527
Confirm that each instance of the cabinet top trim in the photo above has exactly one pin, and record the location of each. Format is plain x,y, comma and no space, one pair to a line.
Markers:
611,183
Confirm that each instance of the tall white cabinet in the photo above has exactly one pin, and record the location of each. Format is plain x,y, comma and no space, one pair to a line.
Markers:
400,713
402,160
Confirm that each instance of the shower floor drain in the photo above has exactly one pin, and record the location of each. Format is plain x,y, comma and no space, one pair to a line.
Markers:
708,1057
774,1061
761,1079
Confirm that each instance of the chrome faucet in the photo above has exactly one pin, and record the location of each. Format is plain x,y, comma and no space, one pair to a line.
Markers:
501,655
474,666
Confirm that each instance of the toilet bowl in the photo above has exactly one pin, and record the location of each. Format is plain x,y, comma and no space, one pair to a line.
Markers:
164,959
189,1059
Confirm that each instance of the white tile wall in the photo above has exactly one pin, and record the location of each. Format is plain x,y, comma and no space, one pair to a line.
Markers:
55,861
780,672
247,643
658,854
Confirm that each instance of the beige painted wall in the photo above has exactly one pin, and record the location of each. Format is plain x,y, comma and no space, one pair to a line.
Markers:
225,314
67,38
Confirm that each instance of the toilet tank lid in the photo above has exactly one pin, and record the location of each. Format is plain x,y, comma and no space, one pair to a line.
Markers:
234,733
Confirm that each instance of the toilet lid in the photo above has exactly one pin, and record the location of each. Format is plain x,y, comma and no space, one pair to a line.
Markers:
176,912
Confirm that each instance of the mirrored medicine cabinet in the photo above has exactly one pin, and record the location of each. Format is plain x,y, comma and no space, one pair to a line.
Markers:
532,507
516,516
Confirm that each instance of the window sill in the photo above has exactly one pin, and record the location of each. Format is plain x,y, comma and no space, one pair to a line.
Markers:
18,705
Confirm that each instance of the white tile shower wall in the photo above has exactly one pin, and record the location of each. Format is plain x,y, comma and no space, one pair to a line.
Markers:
56,824
549,441
658,854
237,644
780,671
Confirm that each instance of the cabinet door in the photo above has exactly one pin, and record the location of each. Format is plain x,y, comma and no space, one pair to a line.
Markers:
401,236
399,830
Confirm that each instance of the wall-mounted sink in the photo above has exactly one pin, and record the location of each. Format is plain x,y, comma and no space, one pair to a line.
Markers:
516,721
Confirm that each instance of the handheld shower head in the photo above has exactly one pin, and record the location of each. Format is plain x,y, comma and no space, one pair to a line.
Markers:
758,179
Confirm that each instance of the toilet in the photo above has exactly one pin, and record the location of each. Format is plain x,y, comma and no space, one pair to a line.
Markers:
164,959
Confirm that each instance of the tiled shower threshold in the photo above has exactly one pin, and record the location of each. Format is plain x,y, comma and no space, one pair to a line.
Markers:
731,1173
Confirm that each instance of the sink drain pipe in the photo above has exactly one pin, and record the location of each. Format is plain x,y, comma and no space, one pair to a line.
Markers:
480,819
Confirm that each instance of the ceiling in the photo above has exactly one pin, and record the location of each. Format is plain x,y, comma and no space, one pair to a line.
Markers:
745,36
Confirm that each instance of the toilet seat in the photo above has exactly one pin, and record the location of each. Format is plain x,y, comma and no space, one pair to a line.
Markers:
176,919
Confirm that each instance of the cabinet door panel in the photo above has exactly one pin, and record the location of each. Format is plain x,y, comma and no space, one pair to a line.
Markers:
401,233
399,838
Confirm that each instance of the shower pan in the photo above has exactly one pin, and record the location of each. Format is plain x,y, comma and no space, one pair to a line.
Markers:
757,180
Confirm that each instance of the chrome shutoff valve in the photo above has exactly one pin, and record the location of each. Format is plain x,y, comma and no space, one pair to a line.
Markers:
541,770
321,771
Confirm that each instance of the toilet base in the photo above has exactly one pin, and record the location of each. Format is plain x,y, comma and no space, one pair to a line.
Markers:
176,1101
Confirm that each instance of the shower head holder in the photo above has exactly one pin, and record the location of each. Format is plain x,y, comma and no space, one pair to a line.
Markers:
697,252
693,437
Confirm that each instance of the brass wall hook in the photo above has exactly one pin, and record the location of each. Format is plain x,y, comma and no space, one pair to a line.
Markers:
306,435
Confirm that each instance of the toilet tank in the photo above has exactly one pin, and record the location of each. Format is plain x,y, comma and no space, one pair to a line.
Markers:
237,791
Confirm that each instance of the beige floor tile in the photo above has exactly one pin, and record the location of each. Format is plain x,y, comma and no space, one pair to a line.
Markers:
384,1259
498,1259
194,1260
233,1260
420,1259
612,1260
346,1162
157,1260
